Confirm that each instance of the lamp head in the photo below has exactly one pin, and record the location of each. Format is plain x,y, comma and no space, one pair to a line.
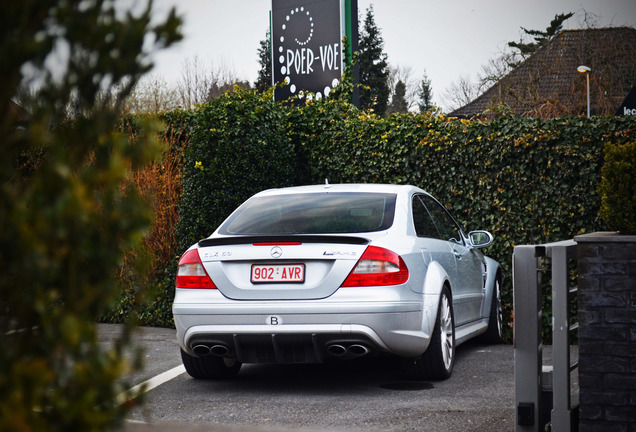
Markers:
583,69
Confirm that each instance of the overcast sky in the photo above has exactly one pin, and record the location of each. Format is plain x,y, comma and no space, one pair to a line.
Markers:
447,39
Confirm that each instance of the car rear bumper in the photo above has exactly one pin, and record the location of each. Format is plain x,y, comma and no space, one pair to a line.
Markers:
302,331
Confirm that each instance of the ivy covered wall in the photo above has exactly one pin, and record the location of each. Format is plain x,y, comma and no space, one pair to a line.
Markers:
526,180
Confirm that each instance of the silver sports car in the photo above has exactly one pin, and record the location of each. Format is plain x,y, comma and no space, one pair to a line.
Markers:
314,273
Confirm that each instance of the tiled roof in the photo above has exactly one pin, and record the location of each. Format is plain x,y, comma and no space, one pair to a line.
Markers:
547,84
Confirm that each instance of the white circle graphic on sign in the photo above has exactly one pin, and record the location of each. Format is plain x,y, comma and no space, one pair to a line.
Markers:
296,14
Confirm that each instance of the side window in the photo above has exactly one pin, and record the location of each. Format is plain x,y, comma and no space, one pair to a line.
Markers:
447,227
424,226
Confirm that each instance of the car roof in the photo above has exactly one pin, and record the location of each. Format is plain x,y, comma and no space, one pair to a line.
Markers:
347,187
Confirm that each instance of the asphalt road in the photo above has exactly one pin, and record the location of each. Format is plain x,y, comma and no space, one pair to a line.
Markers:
360,395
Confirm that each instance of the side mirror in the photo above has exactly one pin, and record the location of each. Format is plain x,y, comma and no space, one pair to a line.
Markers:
480,239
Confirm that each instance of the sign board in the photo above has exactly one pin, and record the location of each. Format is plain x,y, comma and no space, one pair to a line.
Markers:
307,46
629,104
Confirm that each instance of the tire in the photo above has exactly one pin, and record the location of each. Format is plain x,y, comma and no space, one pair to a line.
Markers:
439,359
210,367
493,334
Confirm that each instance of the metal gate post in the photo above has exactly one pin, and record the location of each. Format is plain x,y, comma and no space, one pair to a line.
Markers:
560,253
527,338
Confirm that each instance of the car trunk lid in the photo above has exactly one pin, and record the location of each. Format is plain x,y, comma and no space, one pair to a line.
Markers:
297,267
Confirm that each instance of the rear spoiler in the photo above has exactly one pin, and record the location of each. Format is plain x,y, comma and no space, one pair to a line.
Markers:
237,240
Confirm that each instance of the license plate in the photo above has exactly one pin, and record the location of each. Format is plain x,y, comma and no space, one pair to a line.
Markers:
278,273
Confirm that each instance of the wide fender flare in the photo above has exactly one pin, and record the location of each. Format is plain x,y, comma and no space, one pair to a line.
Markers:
492,270
434,281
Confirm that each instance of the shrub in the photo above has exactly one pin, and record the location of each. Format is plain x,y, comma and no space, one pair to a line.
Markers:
238,147
618,187
68,210
160,184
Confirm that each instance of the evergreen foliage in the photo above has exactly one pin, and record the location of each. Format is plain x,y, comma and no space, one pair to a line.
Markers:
526,49
69,215
618,187
264,79
373,66
237,147
425,94
398,101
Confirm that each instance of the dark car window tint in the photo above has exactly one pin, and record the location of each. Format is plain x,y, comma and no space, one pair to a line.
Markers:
446,226
313,213
424,226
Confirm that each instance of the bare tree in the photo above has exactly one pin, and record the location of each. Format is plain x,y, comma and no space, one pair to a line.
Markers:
200,82
589,20
195,81
225,78
494,70
151,95
459,93
404,74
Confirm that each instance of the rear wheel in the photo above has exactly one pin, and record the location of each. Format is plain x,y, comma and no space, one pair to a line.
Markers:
210,367
438,360
493,333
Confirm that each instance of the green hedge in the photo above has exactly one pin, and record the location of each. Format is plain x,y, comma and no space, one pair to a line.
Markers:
618,187
526,180
238,147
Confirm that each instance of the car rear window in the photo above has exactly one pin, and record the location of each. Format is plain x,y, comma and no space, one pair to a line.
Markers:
313,213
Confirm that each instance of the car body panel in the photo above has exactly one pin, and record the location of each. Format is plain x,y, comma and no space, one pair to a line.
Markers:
468,295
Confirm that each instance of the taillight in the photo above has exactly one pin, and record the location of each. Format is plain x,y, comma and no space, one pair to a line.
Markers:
191,273
377,267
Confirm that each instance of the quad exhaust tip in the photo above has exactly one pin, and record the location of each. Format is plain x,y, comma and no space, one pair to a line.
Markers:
334,350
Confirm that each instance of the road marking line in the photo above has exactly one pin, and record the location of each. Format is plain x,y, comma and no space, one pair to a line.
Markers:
150,384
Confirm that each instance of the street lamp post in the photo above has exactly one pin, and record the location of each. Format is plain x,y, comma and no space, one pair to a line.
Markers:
586,70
